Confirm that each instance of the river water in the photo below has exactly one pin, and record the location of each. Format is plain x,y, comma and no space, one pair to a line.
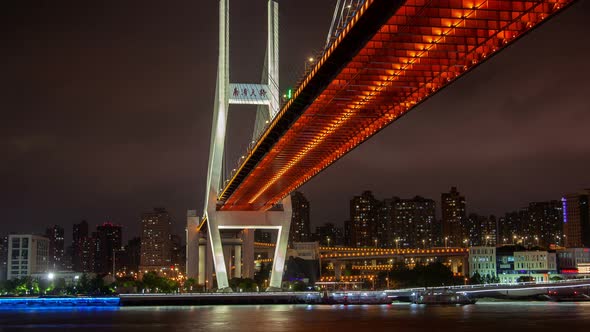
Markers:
481,317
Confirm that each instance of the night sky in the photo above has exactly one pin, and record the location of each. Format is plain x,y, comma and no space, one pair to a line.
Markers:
107,107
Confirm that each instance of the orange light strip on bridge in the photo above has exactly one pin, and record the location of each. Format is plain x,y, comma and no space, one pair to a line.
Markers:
390,252
423,47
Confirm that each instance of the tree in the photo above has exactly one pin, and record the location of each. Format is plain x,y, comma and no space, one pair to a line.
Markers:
476,279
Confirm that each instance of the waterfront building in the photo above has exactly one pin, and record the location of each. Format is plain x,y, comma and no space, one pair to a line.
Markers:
569,260
300,228
505,262
453,216
156,240
28,254
108,241
576,219
482,260
55,234
413,222
361,228
539,265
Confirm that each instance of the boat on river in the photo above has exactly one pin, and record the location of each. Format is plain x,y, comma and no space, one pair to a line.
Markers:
441,297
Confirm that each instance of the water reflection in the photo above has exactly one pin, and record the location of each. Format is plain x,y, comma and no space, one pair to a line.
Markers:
483,317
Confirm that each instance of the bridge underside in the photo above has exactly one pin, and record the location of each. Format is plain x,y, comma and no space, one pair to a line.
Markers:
392,56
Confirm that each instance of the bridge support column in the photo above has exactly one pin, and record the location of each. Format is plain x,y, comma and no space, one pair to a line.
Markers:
248,253
279,219
337,270
238,261
217,217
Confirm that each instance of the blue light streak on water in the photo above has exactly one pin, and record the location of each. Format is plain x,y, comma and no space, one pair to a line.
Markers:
21,302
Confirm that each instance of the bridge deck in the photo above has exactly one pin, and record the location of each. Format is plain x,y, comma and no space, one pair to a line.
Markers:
392,56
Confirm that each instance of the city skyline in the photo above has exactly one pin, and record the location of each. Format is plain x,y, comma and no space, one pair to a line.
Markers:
102,163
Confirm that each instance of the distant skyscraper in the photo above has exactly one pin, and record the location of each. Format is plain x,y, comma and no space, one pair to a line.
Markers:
453,216
413,222
299,231
108,241
27,254
156,240
361,228
79,236
55,234
576,219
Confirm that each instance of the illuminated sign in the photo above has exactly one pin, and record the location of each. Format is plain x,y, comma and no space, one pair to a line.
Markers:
249,94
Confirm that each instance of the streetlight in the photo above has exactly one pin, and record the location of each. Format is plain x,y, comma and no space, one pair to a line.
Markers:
446,239
309,63
328,238
396,243
423,244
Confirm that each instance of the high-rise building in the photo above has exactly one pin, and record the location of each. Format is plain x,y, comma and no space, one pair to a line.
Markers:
576,219
156,240
361,228
79,236
88,252
510,227
55,234
3,257
479,230
299,231
329,235
108,242
384,229
413,222
545,225
130,256
453,216
28,254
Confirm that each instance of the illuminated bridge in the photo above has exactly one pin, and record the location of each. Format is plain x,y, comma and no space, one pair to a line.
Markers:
391,56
